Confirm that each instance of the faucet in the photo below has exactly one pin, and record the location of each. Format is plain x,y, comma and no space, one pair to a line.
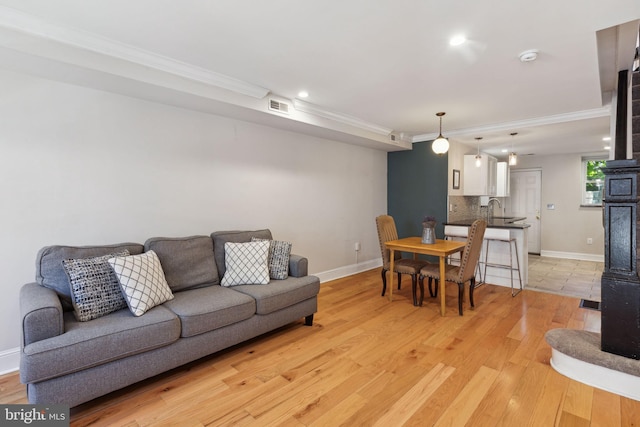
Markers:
489,210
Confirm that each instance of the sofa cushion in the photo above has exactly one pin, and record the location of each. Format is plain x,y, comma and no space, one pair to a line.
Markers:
142,280
187,262
246,263
280,294
95,289
222,237
86,344
205,309
279,253
50,272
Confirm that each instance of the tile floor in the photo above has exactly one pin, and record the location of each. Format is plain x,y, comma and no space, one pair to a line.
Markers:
569,277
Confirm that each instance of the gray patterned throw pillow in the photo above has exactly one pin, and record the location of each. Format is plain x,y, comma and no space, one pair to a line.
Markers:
95,290
246,263
279,253
142,281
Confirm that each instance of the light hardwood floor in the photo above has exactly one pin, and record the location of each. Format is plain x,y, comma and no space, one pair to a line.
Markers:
370,362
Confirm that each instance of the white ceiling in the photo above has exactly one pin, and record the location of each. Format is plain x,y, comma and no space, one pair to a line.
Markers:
381,66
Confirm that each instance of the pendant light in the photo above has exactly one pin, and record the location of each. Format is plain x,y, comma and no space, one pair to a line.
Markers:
440,144
478,156
513,157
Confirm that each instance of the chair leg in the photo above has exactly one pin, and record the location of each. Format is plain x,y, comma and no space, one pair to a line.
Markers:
472,286
435,287
431,294
399,280
460,296
414,282
384,281
414,286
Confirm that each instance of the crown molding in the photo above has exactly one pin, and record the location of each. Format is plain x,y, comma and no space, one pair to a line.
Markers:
309,108
526,123
104,63
34,26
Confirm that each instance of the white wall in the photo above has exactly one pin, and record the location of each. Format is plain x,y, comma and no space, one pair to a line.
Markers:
565,229
80,166
456,161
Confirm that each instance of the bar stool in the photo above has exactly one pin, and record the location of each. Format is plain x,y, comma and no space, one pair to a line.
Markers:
509,266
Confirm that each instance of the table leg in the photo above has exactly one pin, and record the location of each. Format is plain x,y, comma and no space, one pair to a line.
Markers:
442,285
391,267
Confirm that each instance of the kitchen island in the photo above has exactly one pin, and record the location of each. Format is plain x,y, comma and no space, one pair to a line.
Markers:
498,235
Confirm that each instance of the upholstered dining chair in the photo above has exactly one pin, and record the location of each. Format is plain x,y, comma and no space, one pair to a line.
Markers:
463,273
386,232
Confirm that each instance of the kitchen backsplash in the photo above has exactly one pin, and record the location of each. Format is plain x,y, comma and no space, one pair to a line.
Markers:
465,207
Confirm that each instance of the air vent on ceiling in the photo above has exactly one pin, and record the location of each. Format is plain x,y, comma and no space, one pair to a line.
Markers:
278,106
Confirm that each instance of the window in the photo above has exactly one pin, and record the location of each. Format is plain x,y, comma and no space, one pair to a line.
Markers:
592,181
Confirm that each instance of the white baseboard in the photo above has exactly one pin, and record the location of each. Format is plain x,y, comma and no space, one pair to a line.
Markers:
348,270
573,255
9,360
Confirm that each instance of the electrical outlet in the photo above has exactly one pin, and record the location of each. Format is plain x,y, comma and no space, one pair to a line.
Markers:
589,241
357,246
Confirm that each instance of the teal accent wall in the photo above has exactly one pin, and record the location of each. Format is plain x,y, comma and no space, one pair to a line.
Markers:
417,187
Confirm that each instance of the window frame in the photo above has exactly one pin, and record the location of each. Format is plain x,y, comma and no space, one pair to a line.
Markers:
586,199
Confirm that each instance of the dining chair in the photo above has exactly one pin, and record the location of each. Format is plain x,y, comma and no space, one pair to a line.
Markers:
386,232
463,273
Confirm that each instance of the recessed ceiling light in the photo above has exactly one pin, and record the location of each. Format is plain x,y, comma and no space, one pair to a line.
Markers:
504,150
606,138
528,55
303,94
457,40
607,147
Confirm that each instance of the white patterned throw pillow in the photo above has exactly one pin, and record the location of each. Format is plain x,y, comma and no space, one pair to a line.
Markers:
246,263
142,280
95,290
279,254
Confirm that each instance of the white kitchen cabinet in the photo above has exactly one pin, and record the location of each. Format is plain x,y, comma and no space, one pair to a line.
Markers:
502,180
480,181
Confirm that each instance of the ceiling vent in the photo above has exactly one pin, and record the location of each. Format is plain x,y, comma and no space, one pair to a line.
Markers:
278,106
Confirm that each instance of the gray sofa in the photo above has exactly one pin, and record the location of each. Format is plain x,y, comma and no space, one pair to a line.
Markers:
66,361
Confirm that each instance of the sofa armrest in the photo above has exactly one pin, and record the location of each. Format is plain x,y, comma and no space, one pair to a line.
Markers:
298,266
41,312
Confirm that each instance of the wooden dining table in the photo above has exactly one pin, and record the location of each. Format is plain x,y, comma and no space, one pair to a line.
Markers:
441,248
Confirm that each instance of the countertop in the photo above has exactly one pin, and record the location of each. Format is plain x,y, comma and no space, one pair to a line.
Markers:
495,222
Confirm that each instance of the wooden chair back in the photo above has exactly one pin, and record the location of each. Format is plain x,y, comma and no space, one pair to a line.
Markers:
386,232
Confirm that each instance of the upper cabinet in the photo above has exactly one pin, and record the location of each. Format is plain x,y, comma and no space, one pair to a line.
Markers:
502,183
480,181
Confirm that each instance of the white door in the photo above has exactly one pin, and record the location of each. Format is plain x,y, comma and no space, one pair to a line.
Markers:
525,202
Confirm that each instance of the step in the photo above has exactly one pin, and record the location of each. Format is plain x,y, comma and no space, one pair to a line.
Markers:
576,354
